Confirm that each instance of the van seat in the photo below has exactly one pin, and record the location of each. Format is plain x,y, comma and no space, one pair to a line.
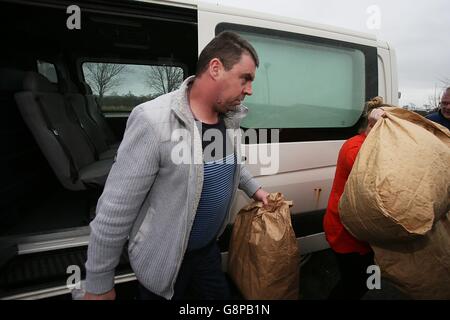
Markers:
96,114
60,138
94,134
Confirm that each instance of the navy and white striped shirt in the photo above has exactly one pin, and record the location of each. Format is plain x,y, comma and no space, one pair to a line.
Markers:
219,166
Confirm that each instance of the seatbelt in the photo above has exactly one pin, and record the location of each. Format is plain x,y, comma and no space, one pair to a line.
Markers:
88,137
72,166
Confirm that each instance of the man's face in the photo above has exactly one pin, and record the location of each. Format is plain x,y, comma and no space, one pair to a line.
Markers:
445,104
235,84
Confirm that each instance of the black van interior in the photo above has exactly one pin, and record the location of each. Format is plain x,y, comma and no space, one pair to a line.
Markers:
34,156
58,143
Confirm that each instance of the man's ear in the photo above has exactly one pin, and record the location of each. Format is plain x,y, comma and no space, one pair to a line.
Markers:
215,68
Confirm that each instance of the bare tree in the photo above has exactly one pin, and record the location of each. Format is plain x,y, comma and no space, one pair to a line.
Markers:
433,100
103,77
164,79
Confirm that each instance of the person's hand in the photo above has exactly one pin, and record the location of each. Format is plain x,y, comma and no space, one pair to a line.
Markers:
110,295
374,116
261,195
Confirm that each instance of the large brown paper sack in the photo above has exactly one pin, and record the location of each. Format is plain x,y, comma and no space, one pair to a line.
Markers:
399,183
263,257
420,268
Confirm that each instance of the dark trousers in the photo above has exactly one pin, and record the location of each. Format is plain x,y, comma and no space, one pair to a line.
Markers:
200,277
353,271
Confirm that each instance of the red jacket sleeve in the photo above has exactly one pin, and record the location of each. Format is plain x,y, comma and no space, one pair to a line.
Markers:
350,156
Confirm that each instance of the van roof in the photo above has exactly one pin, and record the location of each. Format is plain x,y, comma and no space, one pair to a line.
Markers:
219,8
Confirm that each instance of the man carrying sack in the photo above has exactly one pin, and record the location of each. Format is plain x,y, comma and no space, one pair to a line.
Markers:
397,198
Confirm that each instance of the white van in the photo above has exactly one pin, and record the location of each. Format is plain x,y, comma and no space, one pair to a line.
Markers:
311,85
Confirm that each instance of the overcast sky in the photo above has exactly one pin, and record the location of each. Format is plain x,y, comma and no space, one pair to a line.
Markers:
418,31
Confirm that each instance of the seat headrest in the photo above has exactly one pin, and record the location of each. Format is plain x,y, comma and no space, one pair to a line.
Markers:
11,80
36,82
87,88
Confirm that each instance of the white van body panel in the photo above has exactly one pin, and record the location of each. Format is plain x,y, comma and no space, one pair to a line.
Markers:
387,79
306,169
210,15
394,76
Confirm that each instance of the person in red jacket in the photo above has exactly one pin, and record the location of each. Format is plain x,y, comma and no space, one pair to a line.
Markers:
353,256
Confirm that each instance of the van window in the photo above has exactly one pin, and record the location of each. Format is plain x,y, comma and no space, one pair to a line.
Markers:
121,87
48,70
307,83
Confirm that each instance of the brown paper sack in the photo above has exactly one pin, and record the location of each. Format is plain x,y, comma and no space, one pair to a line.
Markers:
399,184
263,257
420,268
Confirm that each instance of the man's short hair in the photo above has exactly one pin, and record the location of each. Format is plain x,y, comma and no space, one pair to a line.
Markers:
228,47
